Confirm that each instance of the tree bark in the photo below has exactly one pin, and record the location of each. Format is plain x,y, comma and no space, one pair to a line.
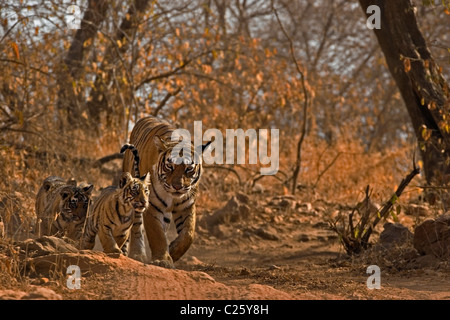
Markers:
420,81
98,100
72,67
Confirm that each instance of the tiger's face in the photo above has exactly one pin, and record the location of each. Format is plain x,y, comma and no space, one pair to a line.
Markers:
136,191
177,179
75,202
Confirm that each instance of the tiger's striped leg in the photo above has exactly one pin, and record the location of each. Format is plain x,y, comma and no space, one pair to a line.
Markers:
136,239
107,240
185,225
157,238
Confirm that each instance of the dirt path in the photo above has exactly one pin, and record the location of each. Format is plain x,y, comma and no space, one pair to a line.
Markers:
267,258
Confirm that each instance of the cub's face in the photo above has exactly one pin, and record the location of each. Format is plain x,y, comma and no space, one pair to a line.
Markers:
136,191
75,201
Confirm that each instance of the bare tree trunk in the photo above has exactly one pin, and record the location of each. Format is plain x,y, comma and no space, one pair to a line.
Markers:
98,100
421,84
72,67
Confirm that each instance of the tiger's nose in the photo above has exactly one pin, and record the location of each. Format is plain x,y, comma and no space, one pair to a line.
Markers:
177,186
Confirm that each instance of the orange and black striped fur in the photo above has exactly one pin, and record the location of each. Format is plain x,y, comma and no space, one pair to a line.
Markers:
61,207
173,191
113,213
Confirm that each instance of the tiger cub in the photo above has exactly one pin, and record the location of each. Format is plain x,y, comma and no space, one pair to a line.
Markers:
61,207
174,189
112,214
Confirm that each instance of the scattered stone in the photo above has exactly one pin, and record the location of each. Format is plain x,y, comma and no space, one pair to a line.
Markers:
40,293
220,231
433,237
321,225
258,188
193,261
277,219
243,198
274,267
40,281
416,210
394,235
235,210
426,261
244,272
36,293
304,238
283,202
266,234
304,207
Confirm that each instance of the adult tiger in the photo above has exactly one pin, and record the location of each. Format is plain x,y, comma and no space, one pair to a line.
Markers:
173,193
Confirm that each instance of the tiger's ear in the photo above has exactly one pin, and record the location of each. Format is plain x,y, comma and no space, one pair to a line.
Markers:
88,189
160,143
202,148
124,179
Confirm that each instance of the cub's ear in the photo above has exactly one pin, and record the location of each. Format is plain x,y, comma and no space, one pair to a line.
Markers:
124,179
46,186
146,178
88,189
72,182
160,143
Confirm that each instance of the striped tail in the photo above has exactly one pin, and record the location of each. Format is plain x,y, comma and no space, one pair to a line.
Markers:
133,149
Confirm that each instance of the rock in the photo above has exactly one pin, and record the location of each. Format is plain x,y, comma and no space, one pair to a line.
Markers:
274,267
40,293
433,237
258,188
283,202
45,245
304,207
394,235
245,272
267,234
36,293
416,210
220,231
235,210
303,238
40,281
426,261
193,261
11,295
243,198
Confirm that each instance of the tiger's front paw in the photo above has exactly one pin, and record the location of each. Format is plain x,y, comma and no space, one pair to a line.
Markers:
163,263
114,252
